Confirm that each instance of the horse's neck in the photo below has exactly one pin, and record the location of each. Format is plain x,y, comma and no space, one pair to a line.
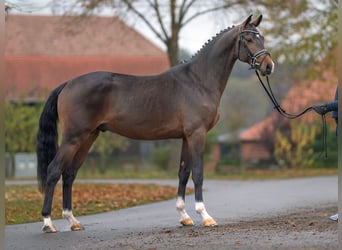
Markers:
214,64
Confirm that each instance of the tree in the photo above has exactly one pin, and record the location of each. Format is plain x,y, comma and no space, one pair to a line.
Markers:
21,123
295,150
164,18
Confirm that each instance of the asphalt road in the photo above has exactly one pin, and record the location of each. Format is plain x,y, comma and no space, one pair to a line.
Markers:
226,201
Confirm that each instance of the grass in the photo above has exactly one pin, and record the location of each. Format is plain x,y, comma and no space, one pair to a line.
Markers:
265,174
237,174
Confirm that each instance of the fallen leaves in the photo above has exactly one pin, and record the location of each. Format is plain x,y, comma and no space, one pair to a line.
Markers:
24,203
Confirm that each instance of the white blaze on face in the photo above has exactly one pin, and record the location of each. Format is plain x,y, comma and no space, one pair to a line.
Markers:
272,67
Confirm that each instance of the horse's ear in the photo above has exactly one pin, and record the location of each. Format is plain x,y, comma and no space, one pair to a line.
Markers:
257,21
247,21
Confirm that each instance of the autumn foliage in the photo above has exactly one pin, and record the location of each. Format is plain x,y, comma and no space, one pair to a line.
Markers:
24,203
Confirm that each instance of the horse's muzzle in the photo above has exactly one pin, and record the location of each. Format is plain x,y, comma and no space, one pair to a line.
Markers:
267,66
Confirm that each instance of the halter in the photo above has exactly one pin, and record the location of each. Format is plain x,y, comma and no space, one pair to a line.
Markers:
252,57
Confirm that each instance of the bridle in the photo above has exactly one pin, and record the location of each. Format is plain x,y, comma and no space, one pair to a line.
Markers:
252,57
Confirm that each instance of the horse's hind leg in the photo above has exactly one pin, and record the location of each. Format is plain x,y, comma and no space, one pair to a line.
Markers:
69,176
54,174
183,175
62,159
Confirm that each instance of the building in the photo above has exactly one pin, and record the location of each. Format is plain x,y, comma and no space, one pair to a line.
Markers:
44,51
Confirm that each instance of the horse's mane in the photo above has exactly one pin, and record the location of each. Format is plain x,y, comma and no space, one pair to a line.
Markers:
206,44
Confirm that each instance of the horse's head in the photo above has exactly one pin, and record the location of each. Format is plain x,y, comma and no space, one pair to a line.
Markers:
250,47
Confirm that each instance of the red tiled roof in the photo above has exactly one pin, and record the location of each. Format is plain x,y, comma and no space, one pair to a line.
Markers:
72,36
255,132
299,97
44,51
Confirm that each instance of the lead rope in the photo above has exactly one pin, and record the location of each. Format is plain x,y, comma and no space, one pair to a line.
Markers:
324,131
281,111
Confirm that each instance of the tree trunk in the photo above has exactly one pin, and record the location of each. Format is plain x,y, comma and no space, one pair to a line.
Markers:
172,51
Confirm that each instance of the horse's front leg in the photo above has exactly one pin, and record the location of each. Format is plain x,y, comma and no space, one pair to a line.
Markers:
196,147
183,175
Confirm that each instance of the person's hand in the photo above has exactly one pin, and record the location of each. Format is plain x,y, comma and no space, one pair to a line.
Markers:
320,109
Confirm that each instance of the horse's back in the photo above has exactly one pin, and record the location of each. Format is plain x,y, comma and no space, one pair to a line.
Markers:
95,85
139,107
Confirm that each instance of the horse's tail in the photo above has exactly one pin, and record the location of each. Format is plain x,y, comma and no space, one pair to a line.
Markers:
47,137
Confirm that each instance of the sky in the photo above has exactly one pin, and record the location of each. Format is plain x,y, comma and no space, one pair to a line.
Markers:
192,37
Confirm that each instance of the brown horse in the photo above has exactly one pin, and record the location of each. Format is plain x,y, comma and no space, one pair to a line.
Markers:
182,102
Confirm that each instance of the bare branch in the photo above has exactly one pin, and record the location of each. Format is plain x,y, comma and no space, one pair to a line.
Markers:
155,6
144,19
184,10
206,11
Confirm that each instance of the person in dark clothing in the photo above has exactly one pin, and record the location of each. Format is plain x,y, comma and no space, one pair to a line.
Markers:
322,109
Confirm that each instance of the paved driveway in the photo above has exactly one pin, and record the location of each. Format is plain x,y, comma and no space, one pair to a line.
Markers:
226,201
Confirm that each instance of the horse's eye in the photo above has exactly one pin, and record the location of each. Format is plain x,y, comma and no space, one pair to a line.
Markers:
249,40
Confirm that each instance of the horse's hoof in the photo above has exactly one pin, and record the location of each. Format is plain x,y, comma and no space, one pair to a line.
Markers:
209,223
77,227
49,229
187,222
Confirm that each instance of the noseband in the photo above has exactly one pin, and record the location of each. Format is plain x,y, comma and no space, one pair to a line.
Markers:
252,57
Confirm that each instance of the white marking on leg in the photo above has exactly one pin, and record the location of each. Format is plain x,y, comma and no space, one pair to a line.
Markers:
48,227
206,218
185,218
67,214
180,205
200,209
75,225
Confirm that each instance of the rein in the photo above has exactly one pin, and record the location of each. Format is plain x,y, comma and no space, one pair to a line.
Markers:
282,112
277,106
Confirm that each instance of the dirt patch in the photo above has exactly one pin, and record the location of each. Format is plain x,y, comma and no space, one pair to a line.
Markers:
301,230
